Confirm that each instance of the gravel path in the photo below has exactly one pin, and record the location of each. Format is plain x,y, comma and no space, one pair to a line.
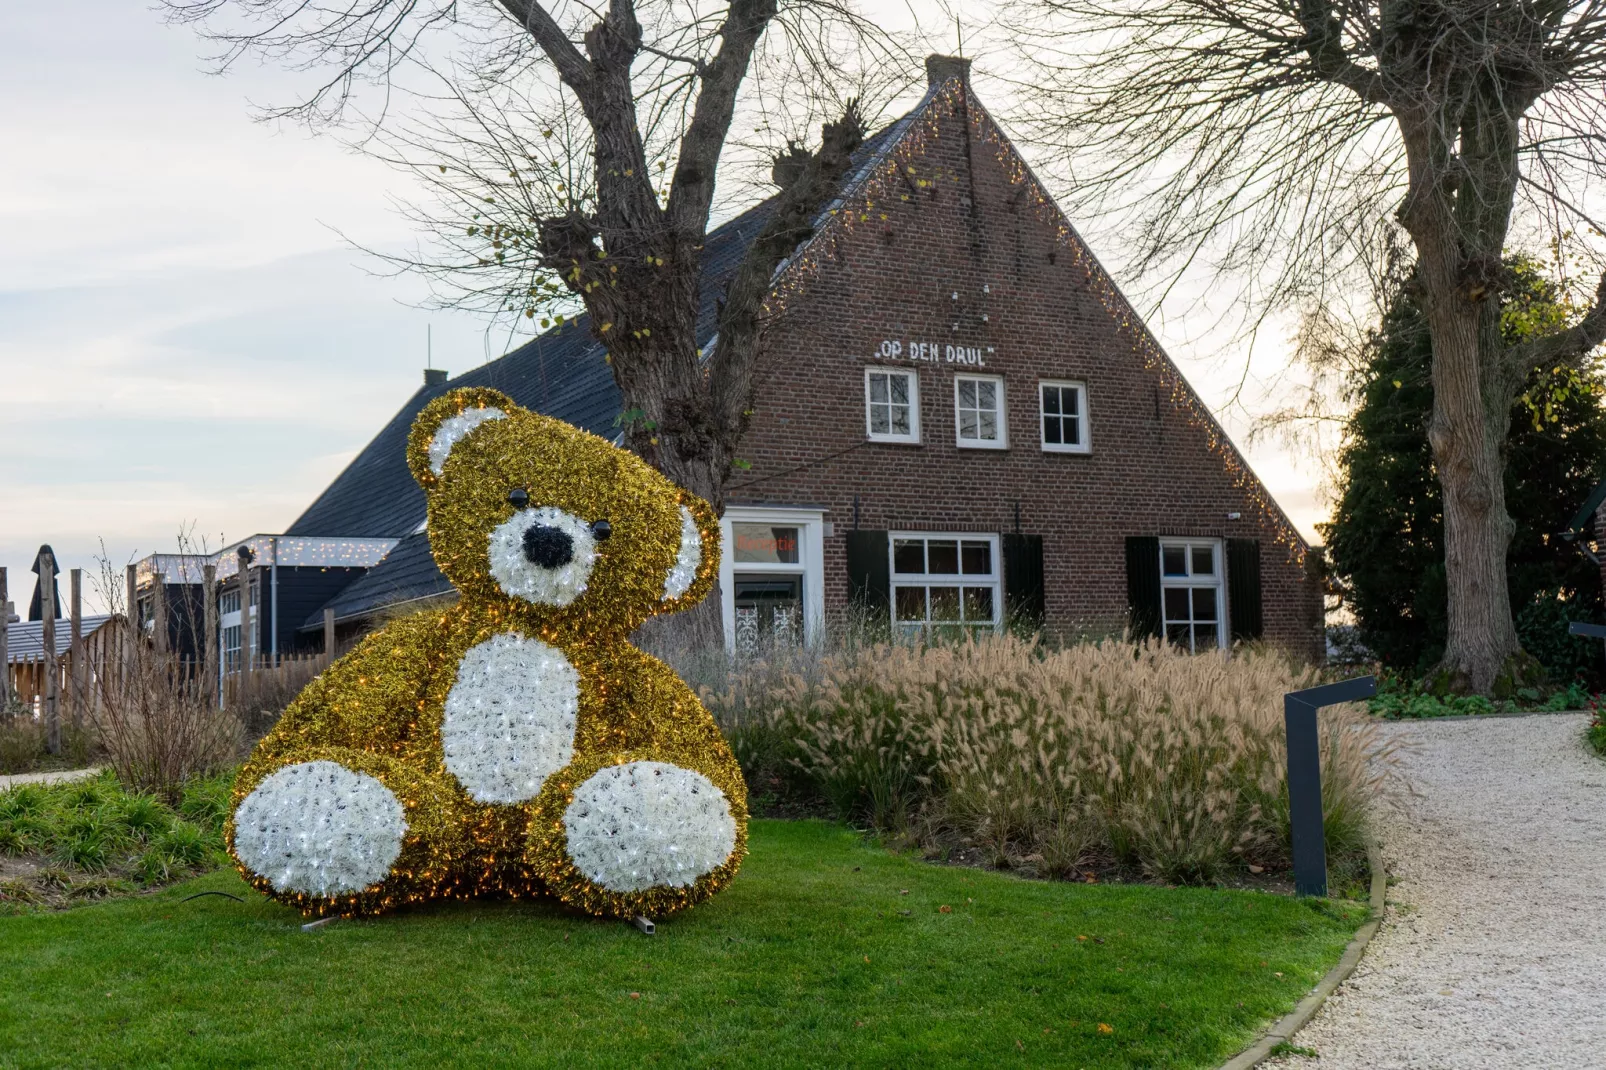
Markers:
1494,950
58,777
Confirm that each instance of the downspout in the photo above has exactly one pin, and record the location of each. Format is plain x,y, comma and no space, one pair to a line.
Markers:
273,599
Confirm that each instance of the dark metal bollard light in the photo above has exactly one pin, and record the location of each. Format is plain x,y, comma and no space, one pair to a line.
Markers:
1305,776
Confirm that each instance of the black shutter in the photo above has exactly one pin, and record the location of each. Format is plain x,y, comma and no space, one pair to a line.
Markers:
1143,584
869,572
1243,588
1023,580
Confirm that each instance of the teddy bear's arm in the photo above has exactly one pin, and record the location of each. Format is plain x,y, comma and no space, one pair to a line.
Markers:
367,700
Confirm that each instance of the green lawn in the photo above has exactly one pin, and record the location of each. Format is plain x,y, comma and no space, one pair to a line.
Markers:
813,957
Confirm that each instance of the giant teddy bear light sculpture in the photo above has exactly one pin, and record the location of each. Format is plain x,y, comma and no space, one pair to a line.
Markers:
515,743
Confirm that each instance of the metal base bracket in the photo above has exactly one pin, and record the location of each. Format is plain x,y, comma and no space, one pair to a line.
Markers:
645,925
320,923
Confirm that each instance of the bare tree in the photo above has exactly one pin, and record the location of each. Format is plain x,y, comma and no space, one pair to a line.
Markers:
574,164
1273,135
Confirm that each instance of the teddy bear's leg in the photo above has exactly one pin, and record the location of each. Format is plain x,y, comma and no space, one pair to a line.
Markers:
346,831
645,836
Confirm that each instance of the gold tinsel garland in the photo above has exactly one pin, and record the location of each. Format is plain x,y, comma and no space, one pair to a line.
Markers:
379,710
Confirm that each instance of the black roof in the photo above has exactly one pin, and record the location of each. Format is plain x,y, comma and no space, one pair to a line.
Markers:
560,373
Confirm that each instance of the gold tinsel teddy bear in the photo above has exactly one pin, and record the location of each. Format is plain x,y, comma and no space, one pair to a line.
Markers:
516,742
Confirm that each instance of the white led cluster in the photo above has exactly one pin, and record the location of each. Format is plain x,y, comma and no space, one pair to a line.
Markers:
451,432
648,825
319,829
684,570
510,718
519,577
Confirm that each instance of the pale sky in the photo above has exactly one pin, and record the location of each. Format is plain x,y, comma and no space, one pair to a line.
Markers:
185,340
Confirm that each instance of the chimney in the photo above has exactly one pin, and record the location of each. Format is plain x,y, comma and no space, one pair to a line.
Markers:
434,377
941,68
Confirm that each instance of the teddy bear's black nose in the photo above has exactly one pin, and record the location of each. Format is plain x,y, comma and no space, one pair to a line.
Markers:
548,547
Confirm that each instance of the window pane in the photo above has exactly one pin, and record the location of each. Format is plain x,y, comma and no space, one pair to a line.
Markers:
1204,560
763,542
978,558
989,426
1051,400
1174,560
967,424
942,556
909,555
1051,430
945,603
900,420
1073,401
911,602
967,393
1204,603
1178,634
1204,637
878,388
979,604
987,395
1176,603
900,389
880,421
1073,431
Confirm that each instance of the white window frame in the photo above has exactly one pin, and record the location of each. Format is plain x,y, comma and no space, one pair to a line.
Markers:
810,564
1002,442
913,375
1086,445
1189,582
897,579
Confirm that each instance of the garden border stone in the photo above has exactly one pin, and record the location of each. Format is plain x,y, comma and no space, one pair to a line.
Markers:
1306,1009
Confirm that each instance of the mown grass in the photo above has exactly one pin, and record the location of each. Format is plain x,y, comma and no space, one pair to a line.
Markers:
825,951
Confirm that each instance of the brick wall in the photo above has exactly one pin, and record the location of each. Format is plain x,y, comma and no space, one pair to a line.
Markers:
960,253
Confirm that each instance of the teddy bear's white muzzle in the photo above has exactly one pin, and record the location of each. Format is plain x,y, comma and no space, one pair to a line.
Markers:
543,555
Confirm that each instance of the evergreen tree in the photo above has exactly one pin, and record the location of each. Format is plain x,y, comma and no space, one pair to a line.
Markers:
1386,539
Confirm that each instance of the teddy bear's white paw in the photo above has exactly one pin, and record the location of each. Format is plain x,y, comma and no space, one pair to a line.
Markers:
510,718
318,828
646,825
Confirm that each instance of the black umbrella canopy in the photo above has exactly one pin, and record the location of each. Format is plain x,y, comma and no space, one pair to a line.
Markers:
36,608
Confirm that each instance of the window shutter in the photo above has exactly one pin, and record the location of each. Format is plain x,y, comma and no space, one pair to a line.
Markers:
1023,579
1243,588
1143,584
869,571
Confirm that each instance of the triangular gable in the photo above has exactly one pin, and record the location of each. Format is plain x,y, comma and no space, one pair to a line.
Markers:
879,182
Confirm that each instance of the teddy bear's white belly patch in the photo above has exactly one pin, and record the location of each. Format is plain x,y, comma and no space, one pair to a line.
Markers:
510,718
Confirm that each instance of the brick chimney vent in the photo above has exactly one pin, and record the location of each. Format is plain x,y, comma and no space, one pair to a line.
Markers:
434,376
941,68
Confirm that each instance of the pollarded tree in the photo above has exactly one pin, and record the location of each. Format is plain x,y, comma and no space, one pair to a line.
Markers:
1385,540
574,163
1278,135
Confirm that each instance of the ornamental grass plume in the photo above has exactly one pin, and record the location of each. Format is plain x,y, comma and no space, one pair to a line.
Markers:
1107,753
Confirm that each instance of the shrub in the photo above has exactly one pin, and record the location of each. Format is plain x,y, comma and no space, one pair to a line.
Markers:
1136,756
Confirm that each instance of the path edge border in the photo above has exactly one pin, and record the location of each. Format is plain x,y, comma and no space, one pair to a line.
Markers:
1306,1009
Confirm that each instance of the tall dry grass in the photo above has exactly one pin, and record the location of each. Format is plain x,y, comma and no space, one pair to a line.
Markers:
1095,753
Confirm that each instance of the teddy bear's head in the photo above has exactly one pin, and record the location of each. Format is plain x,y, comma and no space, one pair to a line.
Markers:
552,524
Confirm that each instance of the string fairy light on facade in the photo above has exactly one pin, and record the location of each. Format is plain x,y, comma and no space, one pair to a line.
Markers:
514,744
892,178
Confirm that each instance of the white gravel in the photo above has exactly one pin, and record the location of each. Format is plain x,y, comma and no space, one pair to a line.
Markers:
58,777
1493,953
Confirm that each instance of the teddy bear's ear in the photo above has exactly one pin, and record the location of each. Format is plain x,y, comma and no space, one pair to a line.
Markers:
696,563
445,422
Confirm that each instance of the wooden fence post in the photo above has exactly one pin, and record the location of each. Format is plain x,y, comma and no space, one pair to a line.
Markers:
75,654
328,636
47,610
5,643
131,634
209,622
159,611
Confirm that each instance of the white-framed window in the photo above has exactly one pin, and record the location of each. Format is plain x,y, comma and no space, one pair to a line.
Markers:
772,577
945,583
1190,593
1063,408
892,405
979,412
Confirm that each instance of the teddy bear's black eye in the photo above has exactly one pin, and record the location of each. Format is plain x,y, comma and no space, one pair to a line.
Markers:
601,530
518,497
